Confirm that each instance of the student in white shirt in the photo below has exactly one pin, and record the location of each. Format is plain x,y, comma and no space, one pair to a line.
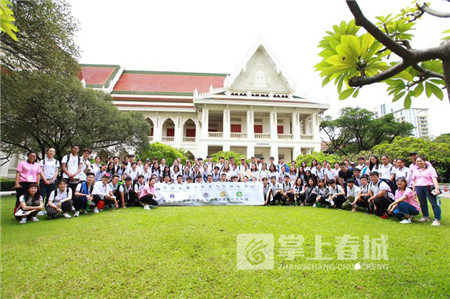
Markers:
387,170
403,172
83,195
60,201
336,195
71,166
128,197
352,192
103,194
49,173
30,203
139,185
381,195
85,164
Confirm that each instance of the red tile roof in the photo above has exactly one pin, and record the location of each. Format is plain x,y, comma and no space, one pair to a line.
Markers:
167,82
98,75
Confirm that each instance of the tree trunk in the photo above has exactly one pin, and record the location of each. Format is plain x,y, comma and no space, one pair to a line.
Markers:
446,68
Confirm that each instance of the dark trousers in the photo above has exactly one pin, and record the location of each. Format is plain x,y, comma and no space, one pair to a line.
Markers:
300,198
289,198
148,200
130,199
311,198
278,198
339,200
323,201
79,203
363,202
21,191
381,204
65,207
46,190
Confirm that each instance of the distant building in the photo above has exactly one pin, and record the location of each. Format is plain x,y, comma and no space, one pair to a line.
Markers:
418,117
253,111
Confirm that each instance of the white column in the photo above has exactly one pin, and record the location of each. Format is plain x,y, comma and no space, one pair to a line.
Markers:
274,152
205,120
273,127
308,130
178,138
204,150
226,148
250,125
295,126
226,124
314,126
250,151
296,152
157,129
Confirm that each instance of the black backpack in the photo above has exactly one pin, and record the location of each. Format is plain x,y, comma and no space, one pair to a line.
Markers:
390,183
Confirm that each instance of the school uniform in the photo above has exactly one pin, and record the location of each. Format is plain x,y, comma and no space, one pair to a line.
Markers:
49,169
81,202
381,203
55,197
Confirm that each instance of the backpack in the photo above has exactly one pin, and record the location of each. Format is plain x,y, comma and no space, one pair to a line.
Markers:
390,183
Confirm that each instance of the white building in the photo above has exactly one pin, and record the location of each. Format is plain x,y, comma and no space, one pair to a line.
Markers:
253,111
418,117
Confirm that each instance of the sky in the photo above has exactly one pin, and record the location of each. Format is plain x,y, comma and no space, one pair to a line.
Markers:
215,36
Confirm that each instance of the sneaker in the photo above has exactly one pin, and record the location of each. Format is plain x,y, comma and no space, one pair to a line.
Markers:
67,215
41,213
314,205
436,222
424,219
23,220
35,219
406,221
77,213
96,210
147,207
332,203
73,209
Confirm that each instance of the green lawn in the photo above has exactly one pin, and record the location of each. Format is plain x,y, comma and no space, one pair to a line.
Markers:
191,252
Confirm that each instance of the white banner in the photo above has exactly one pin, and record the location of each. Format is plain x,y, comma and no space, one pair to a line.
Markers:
210,194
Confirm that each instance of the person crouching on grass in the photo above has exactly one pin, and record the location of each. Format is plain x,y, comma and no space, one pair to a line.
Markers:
337,194
83,195
148,195
30,204
380,195
352,192
405,204
103,194
60,201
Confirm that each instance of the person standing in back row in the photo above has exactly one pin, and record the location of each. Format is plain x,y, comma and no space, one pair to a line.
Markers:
71,166
49,173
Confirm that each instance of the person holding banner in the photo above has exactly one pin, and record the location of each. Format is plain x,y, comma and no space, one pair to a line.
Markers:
148,195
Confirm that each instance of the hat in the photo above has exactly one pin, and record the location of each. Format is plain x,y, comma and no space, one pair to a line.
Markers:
106,175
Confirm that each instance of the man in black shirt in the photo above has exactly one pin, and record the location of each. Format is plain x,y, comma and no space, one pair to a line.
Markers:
344,174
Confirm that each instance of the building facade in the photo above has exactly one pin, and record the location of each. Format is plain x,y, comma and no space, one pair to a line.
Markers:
253,111
418,117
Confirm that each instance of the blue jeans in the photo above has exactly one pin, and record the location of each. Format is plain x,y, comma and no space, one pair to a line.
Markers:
46,190
422,194
404,208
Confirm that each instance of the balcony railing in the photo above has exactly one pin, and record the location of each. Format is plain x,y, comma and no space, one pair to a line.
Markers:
262,135
238,135
189,139
285,136
168,139
215,134
307,137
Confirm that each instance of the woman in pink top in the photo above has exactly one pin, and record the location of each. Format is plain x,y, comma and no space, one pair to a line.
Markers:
405,204
27,173
148,195
425,184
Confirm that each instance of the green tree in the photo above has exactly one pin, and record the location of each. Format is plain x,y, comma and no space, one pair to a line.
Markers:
227,155
319,156
44,40
357,130
161,151
353,59
7,20
41,110
437,153
444,138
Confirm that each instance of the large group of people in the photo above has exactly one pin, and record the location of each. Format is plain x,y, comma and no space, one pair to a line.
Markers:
76,186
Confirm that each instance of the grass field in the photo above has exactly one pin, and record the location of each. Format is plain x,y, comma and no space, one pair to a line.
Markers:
191,252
